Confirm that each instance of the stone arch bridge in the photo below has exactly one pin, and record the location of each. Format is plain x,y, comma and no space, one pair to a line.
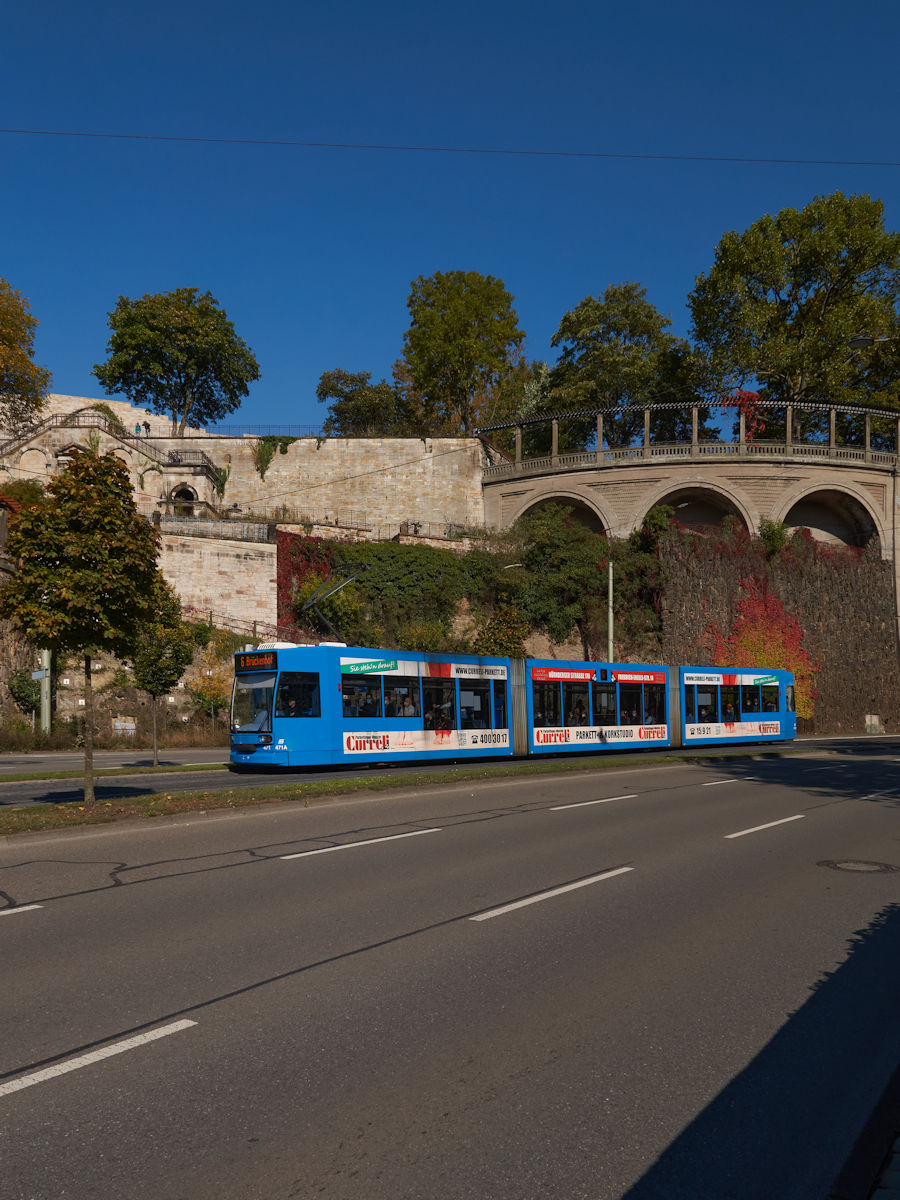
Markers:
832,469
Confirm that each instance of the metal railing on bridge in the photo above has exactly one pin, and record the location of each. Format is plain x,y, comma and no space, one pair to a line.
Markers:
824,433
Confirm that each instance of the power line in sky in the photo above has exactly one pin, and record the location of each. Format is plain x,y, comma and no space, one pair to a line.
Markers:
487,150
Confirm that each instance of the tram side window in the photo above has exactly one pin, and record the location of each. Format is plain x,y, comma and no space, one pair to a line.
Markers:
604,704
750,699
770,697
789,698
630,704
575,703
545,698
475,706
708,706
361,695
298,694
654,704
499,704
439,703
729,704
690,705
401,696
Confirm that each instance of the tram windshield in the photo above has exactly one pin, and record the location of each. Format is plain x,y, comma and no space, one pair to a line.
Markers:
251,702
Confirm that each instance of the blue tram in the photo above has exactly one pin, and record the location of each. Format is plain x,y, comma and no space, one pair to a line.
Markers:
314,705
736,706
295,706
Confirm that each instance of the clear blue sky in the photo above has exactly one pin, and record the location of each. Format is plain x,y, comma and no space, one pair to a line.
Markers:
311,251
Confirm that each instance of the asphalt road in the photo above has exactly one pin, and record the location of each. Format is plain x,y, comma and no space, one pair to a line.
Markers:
61,791
640,984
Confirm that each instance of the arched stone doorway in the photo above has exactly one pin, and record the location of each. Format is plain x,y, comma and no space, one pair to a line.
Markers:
182,499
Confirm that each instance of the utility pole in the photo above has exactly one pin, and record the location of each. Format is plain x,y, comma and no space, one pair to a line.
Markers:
45,691
609,615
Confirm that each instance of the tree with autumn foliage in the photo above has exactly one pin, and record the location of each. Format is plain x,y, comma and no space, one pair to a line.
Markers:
209,680
86,570
23,384
764,635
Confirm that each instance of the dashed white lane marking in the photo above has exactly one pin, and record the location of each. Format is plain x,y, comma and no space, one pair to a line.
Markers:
769,825
569,887
716,782
368,842
584,803
11,912
85,1060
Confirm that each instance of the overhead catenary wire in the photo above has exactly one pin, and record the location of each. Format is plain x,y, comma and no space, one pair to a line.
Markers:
413,148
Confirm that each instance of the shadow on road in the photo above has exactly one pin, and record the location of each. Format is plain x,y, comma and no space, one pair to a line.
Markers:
782,1129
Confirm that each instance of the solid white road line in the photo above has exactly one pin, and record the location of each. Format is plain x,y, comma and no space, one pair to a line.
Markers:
716,782
584,803
352,845
16,1085
11,912
756,828
569,887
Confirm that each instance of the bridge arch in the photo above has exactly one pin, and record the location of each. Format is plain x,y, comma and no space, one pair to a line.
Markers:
835,513
585,510
699,502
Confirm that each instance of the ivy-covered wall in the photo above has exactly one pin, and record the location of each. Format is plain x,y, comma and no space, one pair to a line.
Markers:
841,598
679,598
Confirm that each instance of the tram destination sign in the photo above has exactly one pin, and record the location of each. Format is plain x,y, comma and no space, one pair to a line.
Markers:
256,660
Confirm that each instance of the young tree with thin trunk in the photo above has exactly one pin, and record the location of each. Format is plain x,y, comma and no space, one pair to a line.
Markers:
86,569
163,653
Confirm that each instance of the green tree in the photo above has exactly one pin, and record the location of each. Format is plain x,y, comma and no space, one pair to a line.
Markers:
164,650
567,572
23,384
617,352
25,691
566,587
463,342
357,407
86,567
783,299
177,353
503,634
25,491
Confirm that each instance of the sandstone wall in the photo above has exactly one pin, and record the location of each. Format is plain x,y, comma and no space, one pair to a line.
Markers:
379,483
237,579
376,482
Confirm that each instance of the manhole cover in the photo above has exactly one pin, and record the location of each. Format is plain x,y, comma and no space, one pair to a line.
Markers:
856,864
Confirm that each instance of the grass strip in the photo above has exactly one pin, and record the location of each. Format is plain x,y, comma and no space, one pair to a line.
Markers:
38,817
108,772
